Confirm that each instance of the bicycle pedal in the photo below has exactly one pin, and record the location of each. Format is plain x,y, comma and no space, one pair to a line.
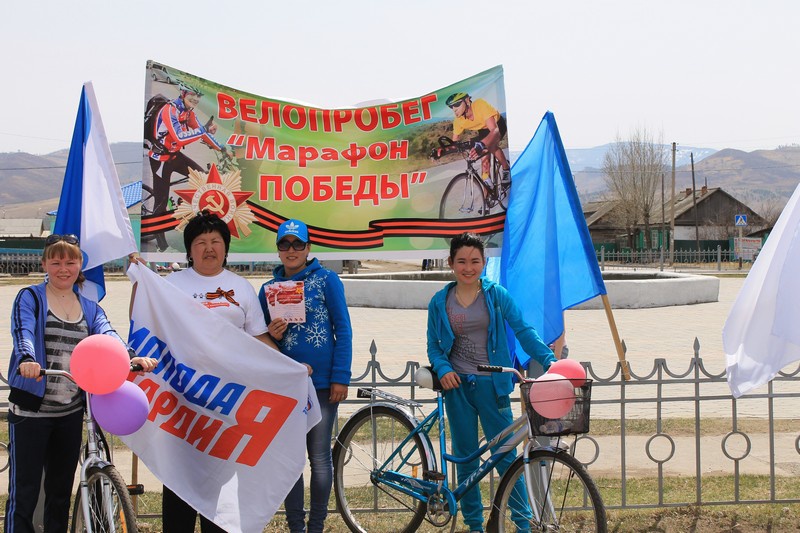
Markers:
136,490
433,475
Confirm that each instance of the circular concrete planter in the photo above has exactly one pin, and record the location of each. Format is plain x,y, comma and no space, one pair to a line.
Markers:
637,290
626,290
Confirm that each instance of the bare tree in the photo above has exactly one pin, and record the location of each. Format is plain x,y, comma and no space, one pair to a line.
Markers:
632,171
771,208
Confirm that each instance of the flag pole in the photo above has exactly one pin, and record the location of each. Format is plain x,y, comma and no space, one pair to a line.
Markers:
626,373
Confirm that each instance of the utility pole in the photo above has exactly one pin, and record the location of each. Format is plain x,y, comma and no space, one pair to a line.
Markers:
663,220
672,211
694,207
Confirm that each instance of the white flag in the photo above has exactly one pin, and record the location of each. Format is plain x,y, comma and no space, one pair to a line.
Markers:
761,335
228,414
91,204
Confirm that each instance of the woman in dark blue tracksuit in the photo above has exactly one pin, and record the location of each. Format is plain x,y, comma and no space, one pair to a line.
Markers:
45,418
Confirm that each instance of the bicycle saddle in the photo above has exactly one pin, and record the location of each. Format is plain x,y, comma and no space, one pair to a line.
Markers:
426,378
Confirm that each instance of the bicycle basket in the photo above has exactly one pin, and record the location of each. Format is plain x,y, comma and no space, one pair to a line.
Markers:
574,422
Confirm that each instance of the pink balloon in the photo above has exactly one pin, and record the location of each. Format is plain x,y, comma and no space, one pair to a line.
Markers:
99,364
552,396
121,412
570,369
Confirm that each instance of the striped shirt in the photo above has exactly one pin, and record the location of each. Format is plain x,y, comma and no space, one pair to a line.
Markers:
62,396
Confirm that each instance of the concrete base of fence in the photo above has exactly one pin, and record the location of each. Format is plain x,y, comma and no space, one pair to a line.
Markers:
626,290
390,293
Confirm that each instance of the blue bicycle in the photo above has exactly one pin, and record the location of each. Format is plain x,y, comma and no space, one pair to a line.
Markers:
387,477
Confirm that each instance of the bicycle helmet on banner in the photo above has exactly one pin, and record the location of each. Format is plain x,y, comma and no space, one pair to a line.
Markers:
183,86
455,98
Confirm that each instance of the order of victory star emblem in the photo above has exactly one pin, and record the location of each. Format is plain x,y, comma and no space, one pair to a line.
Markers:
219,194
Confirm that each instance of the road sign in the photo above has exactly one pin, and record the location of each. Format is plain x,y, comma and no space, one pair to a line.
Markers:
746,248
740,220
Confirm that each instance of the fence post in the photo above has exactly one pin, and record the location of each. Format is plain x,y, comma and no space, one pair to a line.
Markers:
602,258
719,258
661,258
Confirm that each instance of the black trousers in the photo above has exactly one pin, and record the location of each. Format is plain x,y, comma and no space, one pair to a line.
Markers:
162,175
49,444
179,517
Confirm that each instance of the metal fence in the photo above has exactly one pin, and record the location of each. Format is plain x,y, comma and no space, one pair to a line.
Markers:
668,424
715,259
24,264
674,424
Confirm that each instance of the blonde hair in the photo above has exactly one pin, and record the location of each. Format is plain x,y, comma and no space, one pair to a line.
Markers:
64,249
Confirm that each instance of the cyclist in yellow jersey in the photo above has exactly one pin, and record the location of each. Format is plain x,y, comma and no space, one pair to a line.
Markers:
480,116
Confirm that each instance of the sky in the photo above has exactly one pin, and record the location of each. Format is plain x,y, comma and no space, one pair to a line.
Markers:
707,73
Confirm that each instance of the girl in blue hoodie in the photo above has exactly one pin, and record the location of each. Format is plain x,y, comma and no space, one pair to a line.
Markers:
466,328
324,343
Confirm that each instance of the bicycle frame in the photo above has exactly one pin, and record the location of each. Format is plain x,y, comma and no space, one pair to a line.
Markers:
384,461
487,193
93,458
463,148
422,489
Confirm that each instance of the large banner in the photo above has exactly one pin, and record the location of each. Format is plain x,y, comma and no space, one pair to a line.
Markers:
389,180
227,412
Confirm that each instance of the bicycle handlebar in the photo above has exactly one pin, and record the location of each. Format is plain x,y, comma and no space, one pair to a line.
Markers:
449,146
496,368
64,373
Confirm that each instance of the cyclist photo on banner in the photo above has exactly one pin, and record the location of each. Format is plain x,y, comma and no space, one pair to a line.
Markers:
480,116
170,126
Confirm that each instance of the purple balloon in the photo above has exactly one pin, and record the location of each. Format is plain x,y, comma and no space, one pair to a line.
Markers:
121,412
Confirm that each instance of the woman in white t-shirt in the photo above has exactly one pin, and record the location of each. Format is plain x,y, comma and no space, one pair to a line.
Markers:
207,240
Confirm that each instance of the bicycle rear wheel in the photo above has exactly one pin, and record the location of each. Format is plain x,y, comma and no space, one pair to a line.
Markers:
565,496
110,505
464,197
363,446
501,189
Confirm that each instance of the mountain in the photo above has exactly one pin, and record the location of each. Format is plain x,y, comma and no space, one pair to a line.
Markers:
587,163
592,158
30,178
30,184
762,179
758,177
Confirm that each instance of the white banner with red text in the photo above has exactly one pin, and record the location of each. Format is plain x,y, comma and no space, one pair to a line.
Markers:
226,412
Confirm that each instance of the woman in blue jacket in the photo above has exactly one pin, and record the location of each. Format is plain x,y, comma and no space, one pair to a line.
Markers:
45,416
324,343
466,328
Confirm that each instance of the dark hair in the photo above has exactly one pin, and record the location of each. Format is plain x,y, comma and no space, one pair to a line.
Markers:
205,222
465,239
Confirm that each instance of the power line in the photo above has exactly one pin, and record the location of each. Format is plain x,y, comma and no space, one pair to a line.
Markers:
600,171
64,166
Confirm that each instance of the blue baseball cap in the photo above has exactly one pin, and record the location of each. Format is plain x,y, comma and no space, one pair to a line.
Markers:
293,227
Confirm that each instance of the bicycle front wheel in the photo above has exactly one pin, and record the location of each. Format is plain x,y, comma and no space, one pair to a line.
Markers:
464,197
110,505
360,456
564,497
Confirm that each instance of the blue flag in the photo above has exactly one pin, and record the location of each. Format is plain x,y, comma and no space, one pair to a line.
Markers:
91,204
548,263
